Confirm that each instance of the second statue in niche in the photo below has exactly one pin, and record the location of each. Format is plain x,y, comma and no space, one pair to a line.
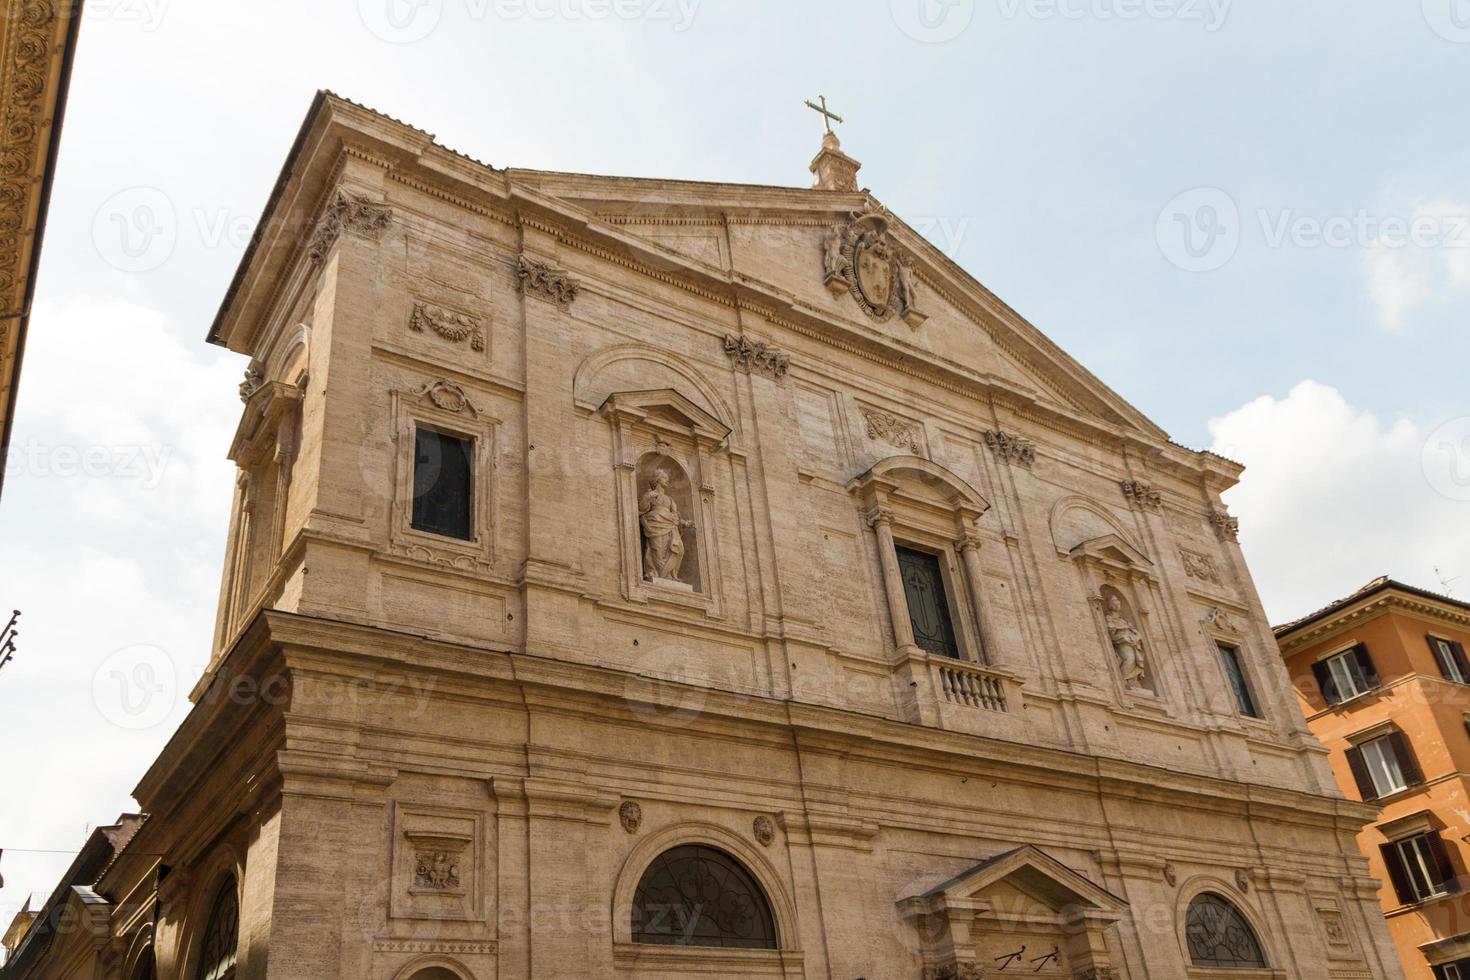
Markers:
663,533
1127,643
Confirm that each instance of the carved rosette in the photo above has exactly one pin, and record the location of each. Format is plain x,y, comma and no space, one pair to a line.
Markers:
861,258
630,815
348,212
1227,528
754,356
1142,495
1011,449
893,430
453,327
546,282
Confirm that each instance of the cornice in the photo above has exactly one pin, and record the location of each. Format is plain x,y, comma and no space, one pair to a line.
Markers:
1371,607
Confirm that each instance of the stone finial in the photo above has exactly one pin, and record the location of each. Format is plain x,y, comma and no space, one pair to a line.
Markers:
834,170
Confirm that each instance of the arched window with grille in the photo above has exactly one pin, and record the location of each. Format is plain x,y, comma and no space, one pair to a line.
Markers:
1218,935
221,935
694,895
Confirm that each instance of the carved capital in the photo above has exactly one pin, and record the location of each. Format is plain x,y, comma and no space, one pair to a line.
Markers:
1227,528
1011,449
879,517
348,212
1142,495
754,356
546,282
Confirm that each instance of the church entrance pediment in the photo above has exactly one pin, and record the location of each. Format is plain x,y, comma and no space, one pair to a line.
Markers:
1019,912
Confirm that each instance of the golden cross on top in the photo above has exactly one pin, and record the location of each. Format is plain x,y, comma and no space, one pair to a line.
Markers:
827,114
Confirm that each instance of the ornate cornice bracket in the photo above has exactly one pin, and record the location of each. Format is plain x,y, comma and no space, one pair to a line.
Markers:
1011,449
348,212
753,356
546,282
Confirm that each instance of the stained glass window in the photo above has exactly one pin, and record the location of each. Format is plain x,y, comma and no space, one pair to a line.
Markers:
694,895
923,586
217,953
1218,935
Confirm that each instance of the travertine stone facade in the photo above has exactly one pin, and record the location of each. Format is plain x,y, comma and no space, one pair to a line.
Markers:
712,425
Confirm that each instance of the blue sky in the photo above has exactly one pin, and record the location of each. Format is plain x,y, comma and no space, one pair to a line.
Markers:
1059,150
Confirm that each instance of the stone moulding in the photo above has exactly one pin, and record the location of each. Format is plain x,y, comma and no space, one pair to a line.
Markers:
452,326
348,212
547,282
753,355
1011,449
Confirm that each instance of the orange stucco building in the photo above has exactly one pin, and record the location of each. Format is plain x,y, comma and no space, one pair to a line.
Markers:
1384,681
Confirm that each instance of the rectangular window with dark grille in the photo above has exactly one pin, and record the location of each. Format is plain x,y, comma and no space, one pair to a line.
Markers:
443,483
1235,674
923,586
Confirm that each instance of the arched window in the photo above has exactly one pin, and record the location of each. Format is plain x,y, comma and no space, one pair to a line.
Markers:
1218,935
221,935
694,895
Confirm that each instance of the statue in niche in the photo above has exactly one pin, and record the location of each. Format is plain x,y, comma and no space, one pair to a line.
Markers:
663,532
834,262
1127,644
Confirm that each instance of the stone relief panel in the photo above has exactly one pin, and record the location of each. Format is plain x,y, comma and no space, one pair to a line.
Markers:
887,429
439,858
1199,566
453,326
860,257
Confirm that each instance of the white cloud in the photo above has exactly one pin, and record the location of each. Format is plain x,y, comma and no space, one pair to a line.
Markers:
1419,265
1332,498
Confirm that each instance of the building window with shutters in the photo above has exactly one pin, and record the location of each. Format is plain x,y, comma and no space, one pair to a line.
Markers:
1345,675
1458,970
1383,765
1450,655
1419,867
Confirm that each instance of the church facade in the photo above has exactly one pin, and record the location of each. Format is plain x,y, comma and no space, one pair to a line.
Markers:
658,579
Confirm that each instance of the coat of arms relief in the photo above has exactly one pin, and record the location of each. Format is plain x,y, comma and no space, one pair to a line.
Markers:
861,257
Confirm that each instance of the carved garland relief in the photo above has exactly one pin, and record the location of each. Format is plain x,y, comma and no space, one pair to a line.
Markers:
452,326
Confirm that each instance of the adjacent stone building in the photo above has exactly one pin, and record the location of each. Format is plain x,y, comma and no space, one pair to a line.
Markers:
657,579
1384,682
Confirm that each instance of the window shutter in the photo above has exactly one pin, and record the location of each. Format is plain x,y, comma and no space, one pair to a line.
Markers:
1458,649
1365,664
1325,682
1444,668
1404,753
1360,774
1396,873
1443,867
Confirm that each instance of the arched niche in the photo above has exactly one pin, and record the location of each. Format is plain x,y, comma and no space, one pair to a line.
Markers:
640,367
664,435
1124,631
1076,519
434,968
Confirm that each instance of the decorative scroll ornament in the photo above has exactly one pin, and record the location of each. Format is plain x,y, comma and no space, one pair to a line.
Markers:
860,257
540,279
1011,449
1220,619
753,355
453,327
630,815
448,396
1142,495
1198,566
1227,528
764,830
348,212
894,431
254,381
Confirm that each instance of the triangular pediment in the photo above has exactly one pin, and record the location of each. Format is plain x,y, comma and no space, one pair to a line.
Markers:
667,407
1030,872
774,234
1111,549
